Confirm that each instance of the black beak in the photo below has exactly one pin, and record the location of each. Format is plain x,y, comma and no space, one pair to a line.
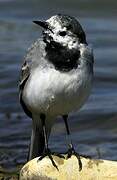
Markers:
43,24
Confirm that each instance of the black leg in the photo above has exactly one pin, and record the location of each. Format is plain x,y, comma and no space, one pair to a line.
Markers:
47,151
71,150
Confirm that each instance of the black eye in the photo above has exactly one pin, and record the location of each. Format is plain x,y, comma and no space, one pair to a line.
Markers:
62,33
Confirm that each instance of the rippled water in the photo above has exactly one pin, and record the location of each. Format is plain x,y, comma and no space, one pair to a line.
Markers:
94,128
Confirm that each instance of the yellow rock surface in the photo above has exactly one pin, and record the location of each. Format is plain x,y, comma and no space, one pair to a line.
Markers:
69,169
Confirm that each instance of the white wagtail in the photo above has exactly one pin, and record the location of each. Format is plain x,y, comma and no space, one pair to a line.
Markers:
56,79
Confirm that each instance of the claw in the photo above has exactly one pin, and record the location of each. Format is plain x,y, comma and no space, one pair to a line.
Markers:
49,154
79,160
71,152
58,154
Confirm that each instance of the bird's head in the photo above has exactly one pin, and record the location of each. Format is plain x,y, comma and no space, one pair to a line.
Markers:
63,30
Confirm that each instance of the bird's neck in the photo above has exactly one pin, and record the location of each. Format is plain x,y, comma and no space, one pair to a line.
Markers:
63,58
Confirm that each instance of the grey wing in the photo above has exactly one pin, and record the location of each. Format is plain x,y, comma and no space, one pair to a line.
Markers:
33,54
25,73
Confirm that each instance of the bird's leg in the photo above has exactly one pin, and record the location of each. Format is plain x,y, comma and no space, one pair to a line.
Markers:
71,150
47,151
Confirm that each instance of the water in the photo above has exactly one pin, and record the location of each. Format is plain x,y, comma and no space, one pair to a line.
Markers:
94,128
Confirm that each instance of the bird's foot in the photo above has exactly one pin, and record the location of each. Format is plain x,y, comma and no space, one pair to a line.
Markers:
71,152
58,154
49,154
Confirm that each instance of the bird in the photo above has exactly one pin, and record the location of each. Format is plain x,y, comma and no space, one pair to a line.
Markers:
56,79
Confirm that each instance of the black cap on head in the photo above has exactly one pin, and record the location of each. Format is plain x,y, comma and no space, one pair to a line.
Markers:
73,25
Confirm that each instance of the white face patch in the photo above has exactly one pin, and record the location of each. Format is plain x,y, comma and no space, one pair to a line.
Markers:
70,40
54,22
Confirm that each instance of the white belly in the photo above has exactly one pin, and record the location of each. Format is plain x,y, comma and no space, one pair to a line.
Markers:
56,93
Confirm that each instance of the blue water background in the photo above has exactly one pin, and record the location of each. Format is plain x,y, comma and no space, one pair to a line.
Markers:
94,128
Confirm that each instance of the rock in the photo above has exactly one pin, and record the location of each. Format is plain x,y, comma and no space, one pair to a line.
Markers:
68,169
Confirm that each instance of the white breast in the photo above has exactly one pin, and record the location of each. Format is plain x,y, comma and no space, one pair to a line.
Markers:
53,92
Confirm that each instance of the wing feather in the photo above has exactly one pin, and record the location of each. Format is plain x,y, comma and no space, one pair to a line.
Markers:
34,53
25,73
